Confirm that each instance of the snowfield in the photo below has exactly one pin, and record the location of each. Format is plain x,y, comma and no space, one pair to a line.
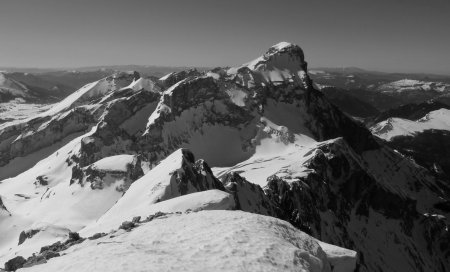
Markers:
114,163
203,241
206,200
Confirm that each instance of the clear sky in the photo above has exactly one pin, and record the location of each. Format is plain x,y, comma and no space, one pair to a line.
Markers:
384,35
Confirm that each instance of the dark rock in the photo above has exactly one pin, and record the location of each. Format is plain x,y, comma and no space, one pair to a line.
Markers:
97,236
3,207
136,219
50,254
153,216
250,197
178,76
15,263
127,225
411,111
430,149
35,260
27,235
58,246
41,180
74,236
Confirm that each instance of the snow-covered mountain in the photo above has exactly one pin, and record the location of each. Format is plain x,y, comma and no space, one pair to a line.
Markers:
122,148
409,85
43,86
394,127
422,135
10,88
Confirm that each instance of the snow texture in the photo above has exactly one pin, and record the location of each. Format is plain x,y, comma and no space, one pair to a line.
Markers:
201,241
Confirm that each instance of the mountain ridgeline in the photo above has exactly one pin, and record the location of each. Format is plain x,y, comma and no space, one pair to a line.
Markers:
266,138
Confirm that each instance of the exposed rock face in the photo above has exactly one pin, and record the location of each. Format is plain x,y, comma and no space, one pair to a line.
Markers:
99,178
349,103
250,197
20,140
340,202
27,234
109,100
411,111
282,63
175,77
15,263
186,109
3,209
118,128
429,149
194,175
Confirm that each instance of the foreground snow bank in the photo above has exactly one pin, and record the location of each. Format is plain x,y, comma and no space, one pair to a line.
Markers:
206,200
341,259
201,241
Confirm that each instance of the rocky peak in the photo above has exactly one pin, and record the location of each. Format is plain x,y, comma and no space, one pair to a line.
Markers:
250,197
126,75
174,77
284,48
282,63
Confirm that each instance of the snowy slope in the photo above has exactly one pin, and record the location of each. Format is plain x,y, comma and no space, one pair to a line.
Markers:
94,90
143,84
206,200
174,176
50,201
114,163
340,259
392,127
11,87
52,194
272,158
201,241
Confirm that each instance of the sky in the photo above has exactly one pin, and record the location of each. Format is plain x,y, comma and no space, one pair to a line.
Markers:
382,35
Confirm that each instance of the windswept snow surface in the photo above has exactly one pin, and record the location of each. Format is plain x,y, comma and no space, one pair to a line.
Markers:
392,127
200,241
114,163
341,259
206,200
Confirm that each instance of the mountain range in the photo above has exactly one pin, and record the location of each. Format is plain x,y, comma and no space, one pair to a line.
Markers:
237,168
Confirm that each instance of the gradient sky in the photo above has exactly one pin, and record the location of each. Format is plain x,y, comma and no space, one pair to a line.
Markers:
400,35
